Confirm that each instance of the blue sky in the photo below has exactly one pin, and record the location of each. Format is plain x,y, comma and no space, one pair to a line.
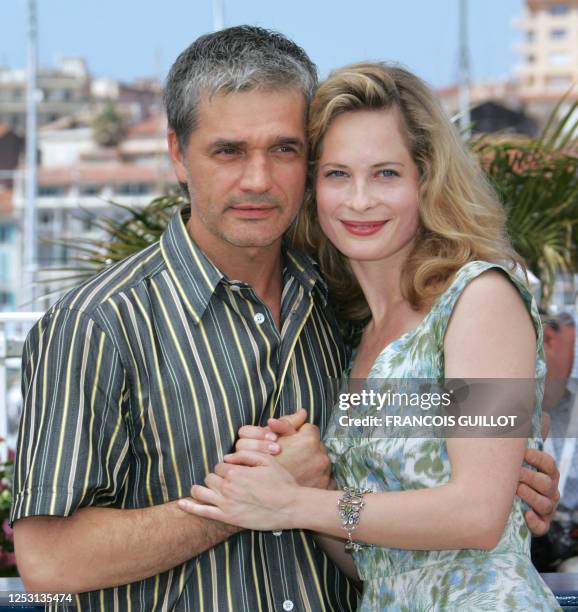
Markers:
124,39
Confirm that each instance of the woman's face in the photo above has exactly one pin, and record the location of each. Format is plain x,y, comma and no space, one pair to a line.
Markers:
367,186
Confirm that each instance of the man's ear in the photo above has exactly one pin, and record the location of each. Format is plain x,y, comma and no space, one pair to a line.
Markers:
176,156
550,337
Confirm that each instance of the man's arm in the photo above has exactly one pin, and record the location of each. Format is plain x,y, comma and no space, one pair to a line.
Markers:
73,458
98,548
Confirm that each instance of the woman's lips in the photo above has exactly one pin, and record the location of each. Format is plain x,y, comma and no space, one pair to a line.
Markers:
363,228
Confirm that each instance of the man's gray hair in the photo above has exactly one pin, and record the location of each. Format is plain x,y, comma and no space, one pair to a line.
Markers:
232,60
561,319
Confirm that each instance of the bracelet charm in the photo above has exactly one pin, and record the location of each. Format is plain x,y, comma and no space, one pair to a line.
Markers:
350,505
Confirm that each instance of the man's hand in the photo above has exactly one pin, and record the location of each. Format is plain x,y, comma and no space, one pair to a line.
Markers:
540,490
298,447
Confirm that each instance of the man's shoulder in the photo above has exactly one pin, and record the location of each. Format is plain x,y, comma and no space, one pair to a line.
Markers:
117,280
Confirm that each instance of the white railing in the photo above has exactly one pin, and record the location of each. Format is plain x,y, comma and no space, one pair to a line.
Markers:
13,329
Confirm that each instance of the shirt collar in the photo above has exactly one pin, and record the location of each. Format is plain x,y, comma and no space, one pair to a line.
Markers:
306,270
196,276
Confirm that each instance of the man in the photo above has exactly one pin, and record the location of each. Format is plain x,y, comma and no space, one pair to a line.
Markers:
558,550
136,383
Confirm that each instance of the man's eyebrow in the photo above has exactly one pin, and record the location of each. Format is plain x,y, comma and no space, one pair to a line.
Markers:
281,140
222,142
289,140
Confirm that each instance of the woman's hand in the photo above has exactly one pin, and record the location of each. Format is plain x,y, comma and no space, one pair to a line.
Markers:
298,447
265,439
250,490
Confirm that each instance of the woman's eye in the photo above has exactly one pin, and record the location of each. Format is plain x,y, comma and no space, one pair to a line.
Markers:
387,172
336,173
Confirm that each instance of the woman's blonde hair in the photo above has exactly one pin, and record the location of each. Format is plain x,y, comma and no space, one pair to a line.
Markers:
461,218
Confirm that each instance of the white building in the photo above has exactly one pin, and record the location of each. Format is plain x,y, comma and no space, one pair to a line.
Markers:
63,90
549,63
77,179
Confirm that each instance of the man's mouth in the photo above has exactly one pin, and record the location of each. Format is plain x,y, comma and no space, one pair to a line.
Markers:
250,211
363,228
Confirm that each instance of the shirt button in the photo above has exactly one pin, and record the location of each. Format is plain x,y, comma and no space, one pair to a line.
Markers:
235,288
259,318
287,605
277,533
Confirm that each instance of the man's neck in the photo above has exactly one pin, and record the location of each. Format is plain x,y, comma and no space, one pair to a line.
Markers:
259,267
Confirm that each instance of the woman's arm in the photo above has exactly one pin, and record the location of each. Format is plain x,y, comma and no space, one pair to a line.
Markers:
490,335
335,549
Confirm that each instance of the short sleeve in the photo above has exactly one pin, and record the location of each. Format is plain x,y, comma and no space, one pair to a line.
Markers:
73,441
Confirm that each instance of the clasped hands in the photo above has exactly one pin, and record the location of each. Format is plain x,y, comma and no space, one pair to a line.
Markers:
257,487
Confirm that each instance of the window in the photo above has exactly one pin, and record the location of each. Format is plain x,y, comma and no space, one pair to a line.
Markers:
3,268
17,122
530,36
132,189
88,190
46,255
559,82
51,190
531,58
559,58
559,9
6,299
45,218
5,233
558,34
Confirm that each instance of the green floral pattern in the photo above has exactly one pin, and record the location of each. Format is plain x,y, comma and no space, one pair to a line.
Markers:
412,580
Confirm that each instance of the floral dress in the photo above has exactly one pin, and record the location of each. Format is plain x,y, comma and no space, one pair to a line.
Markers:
414,580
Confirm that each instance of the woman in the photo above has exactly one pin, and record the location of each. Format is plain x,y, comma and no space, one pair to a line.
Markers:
415,251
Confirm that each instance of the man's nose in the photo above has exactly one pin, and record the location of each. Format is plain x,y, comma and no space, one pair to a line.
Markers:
256,175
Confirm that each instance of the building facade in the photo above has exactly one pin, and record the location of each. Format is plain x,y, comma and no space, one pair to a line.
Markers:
62,91
78,182
549,53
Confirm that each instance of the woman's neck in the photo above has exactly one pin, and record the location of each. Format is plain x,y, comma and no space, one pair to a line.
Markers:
380,282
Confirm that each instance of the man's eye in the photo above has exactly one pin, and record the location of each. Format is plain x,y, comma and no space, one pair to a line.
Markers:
286,149
226,151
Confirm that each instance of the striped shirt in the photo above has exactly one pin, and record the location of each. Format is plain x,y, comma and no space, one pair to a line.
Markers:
135,385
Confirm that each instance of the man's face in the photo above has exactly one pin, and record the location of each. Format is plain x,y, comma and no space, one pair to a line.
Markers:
559,350
245,168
